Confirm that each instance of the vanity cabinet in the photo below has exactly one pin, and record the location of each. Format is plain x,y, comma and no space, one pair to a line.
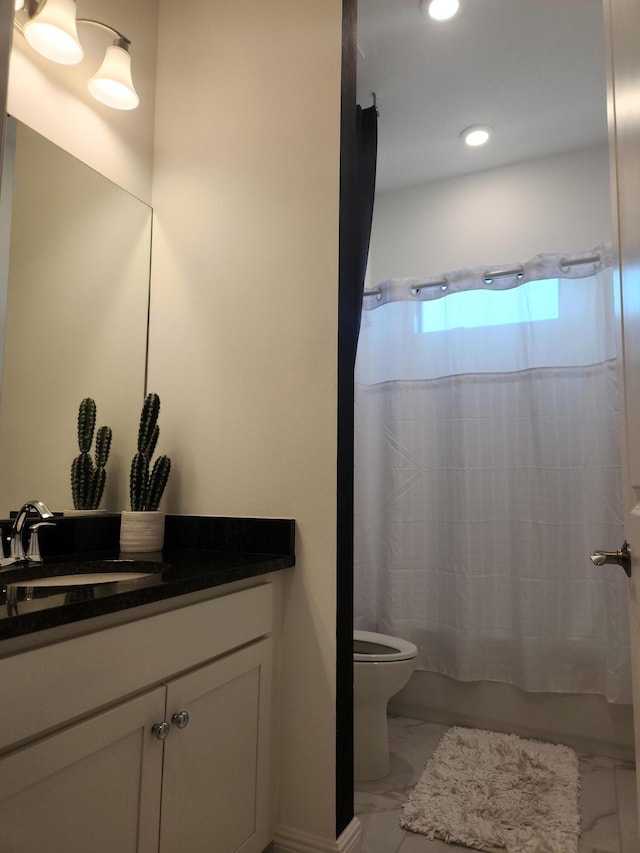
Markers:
182,767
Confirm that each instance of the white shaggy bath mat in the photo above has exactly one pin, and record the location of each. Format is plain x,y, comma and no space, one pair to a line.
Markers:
498,792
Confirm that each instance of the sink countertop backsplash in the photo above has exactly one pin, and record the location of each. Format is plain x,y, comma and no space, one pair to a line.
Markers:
199,552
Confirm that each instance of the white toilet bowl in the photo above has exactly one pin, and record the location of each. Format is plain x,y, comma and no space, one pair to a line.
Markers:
382,666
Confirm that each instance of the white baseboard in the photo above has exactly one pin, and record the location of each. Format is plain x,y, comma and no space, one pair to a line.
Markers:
350,838
288,839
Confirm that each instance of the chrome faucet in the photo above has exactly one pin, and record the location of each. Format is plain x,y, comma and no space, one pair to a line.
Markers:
16,544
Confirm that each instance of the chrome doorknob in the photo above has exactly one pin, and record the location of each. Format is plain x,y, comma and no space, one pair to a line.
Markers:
161,730
620,558
180,719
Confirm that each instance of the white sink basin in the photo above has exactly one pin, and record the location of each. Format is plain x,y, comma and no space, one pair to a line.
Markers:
84,573
83,580
86,579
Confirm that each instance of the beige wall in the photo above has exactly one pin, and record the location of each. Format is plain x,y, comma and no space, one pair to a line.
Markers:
243,334
244,318
500,216
54,100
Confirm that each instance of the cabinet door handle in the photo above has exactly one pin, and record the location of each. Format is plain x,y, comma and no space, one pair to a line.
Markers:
161,730
180,719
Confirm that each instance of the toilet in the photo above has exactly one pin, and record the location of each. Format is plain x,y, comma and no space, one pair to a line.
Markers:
382,665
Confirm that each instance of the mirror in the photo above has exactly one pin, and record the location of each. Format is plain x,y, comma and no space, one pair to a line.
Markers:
77,300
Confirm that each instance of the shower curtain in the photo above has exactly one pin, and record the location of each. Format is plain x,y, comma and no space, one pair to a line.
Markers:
487,470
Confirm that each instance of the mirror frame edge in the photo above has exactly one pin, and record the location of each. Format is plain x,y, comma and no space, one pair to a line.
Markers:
6,34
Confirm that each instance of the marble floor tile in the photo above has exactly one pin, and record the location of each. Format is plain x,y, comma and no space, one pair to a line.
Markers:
598,804
607,801
585,848
412,743
414,843
378,804
381,831
625,777
368,802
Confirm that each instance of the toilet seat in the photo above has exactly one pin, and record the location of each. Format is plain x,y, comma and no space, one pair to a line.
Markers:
369,647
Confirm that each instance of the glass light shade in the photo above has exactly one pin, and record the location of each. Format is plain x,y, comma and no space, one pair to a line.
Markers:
52,32
112,84
442,10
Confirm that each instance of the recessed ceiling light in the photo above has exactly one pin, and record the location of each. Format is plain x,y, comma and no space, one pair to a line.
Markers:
441,10
476,135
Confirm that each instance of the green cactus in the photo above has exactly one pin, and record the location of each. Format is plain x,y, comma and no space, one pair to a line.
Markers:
138,481
146,489
148,430
86,424
88,478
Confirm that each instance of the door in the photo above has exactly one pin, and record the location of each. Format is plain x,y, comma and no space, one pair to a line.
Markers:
216,771
622,18
94,786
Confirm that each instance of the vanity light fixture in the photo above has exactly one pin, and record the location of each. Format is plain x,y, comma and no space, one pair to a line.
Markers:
51,31
440,10
476,135
112,83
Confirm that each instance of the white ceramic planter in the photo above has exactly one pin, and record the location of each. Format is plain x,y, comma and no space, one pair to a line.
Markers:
141,531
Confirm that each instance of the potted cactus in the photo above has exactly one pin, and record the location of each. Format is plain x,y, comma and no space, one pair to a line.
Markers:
142,528
88,478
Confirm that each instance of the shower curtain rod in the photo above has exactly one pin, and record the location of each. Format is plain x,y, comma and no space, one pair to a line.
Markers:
490,276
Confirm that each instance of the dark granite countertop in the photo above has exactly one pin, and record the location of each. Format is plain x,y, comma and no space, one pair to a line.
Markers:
221,551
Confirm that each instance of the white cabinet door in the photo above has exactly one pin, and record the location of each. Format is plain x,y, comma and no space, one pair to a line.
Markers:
94,786
216,768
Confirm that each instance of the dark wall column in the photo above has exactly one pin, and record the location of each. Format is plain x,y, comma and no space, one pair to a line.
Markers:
347,337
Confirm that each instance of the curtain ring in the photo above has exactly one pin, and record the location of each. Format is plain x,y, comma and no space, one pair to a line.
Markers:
417,289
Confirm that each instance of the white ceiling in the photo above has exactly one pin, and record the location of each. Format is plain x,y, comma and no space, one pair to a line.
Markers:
532,69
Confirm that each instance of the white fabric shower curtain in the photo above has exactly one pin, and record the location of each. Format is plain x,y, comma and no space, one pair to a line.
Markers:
487,470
